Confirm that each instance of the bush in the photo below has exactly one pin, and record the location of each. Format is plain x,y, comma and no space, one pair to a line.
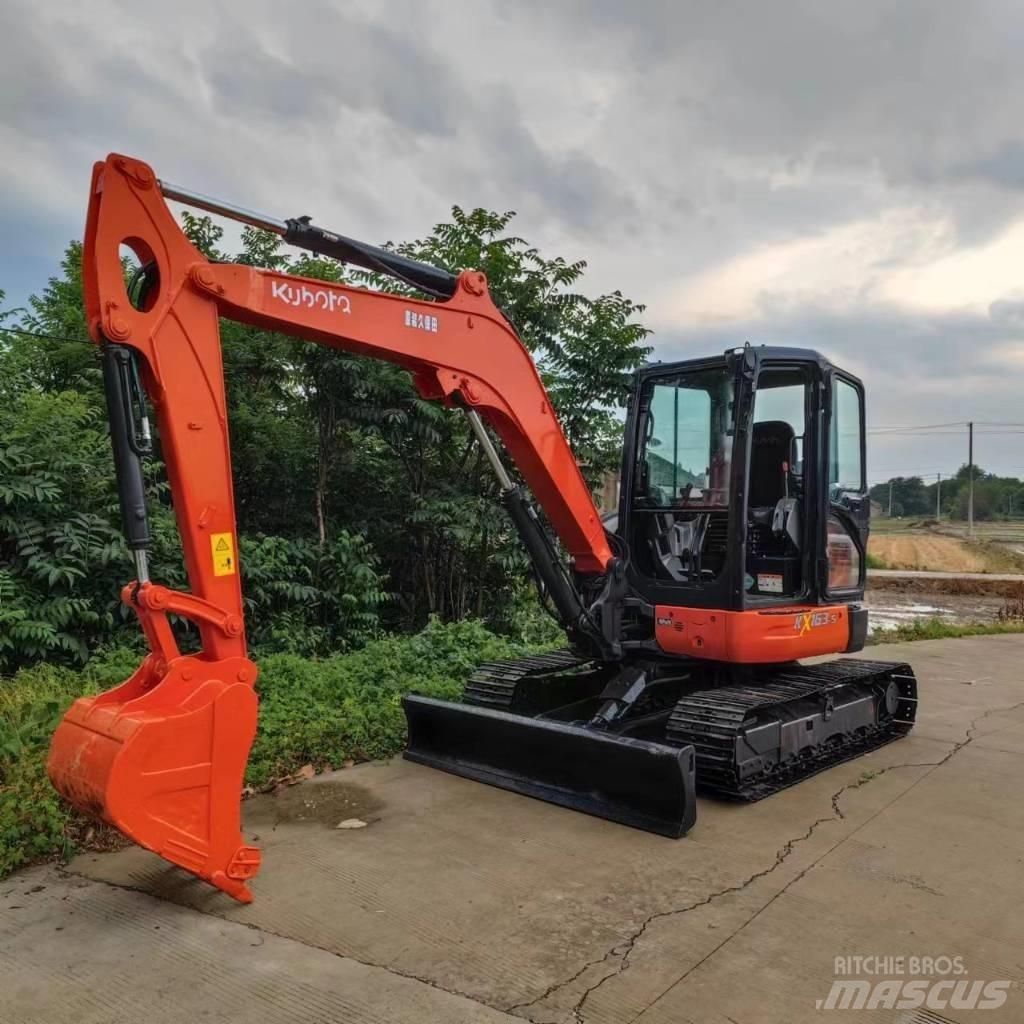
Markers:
32,816
348,707
342,708
301,600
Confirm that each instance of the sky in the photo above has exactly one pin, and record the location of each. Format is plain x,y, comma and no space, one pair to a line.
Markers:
843,176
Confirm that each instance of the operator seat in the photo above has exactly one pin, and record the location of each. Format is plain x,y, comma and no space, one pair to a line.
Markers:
771,449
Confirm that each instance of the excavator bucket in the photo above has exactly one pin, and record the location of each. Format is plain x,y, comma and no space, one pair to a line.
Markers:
635,782
161,758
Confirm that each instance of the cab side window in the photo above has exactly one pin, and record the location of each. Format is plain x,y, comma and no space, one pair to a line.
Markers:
846,463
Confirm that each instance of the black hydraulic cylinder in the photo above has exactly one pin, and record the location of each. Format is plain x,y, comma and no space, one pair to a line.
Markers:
421,275
131,489
299,231
544,557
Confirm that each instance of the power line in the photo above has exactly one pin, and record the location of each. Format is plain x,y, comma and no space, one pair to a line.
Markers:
41,334
921,426
953,429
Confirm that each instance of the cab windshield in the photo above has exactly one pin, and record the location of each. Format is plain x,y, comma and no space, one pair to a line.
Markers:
686,448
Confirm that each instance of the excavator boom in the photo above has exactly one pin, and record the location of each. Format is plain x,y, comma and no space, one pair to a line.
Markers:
162,756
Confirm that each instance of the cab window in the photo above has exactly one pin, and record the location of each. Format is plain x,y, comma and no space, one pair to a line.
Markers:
846,463
687,445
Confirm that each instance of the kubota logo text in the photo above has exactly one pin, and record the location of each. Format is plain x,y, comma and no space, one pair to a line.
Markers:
318,298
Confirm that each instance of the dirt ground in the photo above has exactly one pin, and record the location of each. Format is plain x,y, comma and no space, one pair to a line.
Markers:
891,608
931,552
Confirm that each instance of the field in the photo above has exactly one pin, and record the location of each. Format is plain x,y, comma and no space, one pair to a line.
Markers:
995,549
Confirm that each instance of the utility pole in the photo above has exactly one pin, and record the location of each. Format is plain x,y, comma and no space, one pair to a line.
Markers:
970,479
938,498
890,499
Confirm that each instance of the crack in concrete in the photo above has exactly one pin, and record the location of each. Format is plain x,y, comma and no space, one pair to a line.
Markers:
262,930
624,949
863,780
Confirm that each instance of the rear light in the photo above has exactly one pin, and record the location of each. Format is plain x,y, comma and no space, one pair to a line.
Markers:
843,557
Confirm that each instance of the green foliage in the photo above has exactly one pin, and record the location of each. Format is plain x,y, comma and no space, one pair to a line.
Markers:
59,548
359,504
348,707
910,497
32,817
937,629
302,598
457,554
325,712
995,497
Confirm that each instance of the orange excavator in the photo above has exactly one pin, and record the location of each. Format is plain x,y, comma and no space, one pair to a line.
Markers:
737,549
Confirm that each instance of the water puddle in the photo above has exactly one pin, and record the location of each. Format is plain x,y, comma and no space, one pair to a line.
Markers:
326,803
889,609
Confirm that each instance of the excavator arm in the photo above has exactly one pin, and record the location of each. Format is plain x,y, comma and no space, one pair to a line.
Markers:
162,756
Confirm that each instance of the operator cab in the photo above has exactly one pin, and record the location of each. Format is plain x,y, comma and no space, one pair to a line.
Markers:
743,476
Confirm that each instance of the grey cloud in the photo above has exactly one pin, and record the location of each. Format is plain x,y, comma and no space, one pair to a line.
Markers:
344,63
924,368
658,140
245,79
1008,312
573,185
904,98
1002,166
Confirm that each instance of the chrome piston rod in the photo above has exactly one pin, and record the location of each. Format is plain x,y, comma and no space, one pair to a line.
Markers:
230,210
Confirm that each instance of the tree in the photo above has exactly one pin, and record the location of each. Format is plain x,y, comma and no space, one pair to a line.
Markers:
358,502
460,557
909,496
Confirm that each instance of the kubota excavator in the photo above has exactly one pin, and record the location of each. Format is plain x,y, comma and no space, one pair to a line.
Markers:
738,548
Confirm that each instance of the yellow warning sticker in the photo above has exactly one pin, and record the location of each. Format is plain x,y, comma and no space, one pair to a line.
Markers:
223,547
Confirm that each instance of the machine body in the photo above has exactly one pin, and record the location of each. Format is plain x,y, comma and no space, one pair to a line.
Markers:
737,549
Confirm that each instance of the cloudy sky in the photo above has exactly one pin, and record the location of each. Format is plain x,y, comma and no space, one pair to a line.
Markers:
845,175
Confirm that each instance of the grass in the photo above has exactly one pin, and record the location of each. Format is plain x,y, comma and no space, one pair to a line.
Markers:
321,712
348,708
998,558
937,629
874,562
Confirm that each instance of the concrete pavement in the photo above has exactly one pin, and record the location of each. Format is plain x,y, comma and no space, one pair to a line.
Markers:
459,902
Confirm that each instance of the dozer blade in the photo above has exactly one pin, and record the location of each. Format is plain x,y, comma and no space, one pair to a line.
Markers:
635,782
161,758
